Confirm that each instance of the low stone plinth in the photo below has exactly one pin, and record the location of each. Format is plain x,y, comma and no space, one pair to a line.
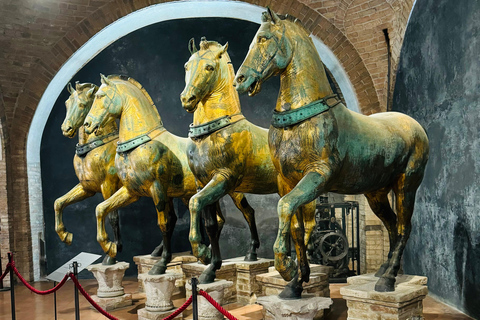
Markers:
109,278
307,308
228,271
159,290
272,284
113,303
145,263
144,314
247,287
314,268
216,289
404,303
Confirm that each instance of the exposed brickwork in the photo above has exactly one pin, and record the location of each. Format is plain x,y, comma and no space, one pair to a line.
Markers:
37,37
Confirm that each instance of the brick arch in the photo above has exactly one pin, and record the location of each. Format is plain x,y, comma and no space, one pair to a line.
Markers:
46,68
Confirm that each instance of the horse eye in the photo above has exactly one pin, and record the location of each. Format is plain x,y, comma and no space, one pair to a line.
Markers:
262,39
209,67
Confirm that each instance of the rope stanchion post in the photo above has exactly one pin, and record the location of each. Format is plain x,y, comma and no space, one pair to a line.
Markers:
194,298
12,286
77,306
2,288
55,300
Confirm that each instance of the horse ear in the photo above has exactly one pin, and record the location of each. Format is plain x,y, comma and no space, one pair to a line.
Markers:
191,46
222,50
105,80
91,92
273,16
77,85
70,88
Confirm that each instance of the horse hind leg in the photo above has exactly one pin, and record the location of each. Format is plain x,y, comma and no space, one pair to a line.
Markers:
242,204
212,228
405,190
308,213
378,201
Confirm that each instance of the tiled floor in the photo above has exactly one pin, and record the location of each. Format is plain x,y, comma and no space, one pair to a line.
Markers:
30,306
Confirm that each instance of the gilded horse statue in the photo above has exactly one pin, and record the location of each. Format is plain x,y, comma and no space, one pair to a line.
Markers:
318,145
226,153
150,161
94,160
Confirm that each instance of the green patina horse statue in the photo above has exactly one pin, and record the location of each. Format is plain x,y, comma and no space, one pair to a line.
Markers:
150,161
227,153
94,161
318,145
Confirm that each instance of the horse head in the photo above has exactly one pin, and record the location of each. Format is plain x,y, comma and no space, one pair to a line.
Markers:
78,105
270,52
203,72
106,106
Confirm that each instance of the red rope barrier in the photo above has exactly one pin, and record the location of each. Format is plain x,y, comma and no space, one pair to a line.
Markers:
40,292
7,269
89,299
180,310
216,305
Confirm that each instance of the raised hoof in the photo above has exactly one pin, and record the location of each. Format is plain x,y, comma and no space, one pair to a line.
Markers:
251,256
206,277
156,270
293,290
68,238
108,261
157,252
385,285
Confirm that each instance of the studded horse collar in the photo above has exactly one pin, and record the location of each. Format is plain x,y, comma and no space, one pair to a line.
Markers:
138,141
212,126
83,149
292,117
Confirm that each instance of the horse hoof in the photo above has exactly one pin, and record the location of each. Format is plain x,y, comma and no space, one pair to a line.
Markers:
108,261
206,277
382,270
293,290
251,256
156,270
157,252
68,238
385,285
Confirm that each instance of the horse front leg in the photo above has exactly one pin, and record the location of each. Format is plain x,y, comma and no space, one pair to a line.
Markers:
109,187
121,198
76,194
249,214
306,191
211,193
213,232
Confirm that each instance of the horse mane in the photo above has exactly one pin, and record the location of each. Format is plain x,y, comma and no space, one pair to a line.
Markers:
206,45
288,17
135,83
82,86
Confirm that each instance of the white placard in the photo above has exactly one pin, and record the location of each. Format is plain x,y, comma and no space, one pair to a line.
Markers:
84,259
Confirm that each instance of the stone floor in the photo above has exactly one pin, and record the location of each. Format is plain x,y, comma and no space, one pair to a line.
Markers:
30,306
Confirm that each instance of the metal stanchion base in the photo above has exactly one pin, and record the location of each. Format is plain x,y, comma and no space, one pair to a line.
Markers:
5,289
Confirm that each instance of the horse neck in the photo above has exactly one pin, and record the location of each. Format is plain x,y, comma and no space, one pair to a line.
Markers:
84,138
303,80
138,117
223,100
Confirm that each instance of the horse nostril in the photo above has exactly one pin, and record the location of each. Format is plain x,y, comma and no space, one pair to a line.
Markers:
192,98
86,124
241,78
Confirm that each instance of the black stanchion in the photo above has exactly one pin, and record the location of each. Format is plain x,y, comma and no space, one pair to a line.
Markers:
194,298
55,300
2,288
77,306
12,287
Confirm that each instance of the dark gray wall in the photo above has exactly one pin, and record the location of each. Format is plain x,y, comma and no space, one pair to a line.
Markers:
438,84
154,56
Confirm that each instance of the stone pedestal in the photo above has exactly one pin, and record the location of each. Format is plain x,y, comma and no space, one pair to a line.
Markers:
145,263
159,290
144,314
272,283
216,290
247,288
110,293
307,308
404,303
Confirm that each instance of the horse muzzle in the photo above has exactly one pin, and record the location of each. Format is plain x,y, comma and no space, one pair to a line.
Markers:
247,82
68,131
189,102
91,126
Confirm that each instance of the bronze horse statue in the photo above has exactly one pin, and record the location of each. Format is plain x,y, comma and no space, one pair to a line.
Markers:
94,161
227,153
318,145
150,161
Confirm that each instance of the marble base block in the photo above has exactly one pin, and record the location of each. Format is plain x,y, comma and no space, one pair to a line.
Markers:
159,290
109,278
144,314
406,302
113,303
247,287
216,290
272,283
307,308
145,263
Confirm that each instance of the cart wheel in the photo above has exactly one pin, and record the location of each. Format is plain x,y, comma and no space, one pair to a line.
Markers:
333,246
